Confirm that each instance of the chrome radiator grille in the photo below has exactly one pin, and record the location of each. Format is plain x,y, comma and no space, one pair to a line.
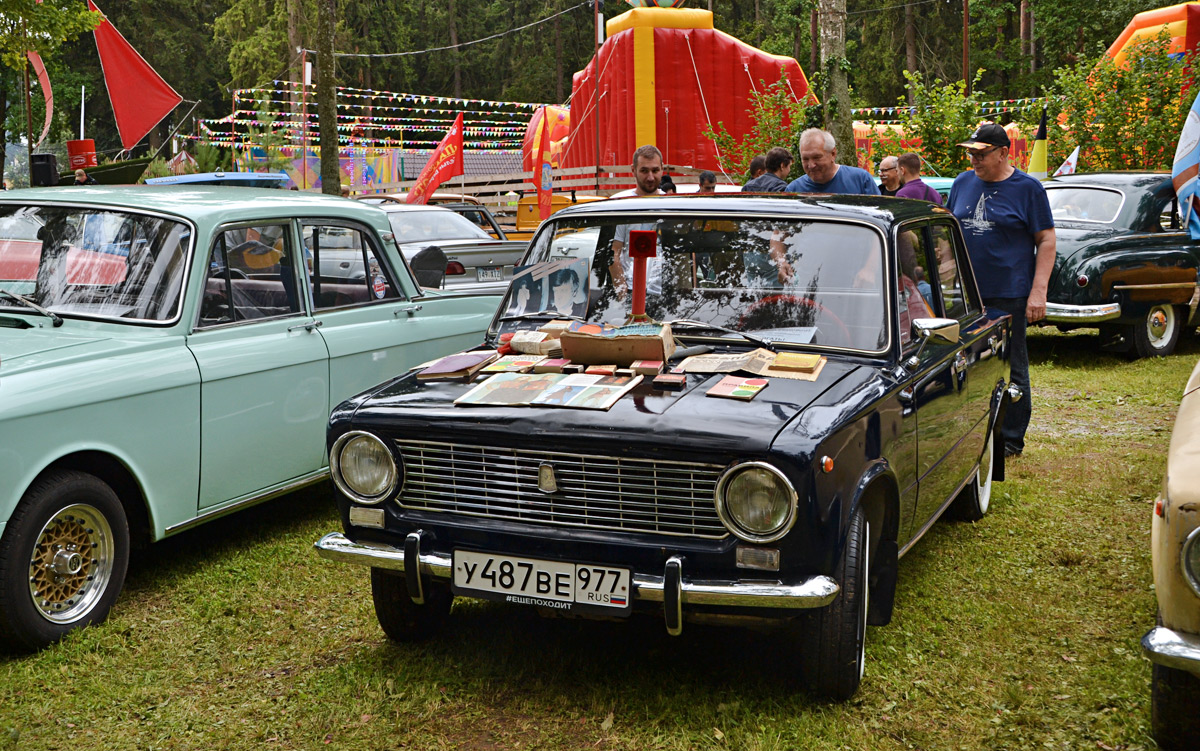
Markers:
595,492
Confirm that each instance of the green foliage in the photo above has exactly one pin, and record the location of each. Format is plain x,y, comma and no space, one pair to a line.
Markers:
778,120
211,158
270,140
156,168
25,25
942,115
1122,117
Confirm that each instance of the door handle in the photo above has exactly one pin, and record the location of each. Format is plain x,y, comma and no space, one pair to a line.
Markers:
310,326
410,309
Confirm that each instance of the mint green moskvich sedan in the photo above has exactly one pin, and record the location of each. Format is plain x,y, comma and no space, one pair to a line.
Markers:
167,356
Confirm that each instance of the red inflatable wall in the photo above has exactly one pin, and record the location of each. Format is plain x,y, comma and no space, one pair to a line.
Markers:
663,85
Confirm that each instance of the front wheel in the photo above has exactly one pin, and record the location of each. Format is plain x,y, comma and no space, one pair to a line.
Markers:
1158,332
402,619
63,559
835,636
1174,697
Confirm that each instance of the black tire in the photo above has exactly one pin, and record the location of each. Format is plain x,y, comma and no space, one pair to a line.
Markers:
402,619
1174,697
1158,332
63,559
836,634
975,498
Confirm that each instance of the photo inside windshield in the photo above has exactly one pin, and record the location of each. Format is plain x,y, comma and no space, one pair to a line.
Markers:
807,282
87,262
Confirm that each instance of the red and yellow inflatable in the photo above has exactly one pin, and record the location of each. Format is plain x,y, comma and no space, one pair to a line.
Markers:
664,74
1181,21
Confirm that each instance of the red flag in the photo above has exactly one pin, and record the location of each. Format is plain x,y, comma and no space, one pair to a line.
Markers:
545,186
446,162
39,67
140,97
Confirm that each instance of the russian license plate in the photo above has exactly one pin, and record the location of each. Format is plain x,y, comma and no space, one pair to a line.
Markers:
489,273
570,587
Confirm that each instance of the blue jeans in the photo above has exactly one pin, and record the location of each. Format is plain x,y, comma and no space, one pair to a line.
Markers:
1016,419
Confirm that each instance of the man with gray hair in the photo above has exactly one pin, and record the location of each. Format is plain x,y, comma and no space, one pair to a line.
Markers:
889,176
822,173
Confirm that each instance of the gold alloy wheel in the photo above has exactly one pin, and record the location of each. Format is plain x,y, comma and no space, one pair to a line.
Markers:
71,563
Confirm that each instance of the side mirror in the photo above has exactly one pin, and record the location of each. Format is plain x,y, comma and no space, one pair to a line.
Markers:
939,329
931,329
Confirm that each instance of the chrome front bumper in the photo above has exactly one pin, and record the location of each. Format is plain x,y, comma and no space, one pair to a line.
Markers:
1173,649
1059,313
672,589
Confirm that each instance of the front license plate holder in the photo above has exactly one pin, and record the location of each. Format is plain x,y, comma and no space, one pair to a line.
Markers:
567,586
489,273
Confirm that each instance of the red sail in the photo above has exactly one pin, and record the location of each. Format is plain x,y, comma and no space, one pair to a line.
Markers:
140,97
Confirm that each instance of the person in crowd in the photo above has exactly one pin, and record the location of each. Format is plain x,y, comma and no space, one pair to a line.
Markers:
758,165
708,182
822,173
913,186
1009,231
647,175
667,185
774,180
889,176
83,178
345,191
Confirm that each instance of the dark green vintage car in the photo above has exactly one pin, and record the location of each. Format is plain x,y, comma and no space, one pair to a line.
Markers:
1124,263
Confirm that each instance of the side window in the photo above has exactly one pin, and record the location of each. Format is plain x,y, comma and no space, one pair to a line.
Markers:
914,294
944,272
345,267
250,276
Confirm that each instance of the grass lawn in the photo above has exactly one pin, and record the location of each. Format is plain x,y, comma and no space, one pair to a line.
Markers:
1018,632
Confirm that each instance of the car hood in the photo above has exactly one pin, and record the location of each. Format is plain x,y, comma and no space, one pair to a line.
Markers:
28,349
646,419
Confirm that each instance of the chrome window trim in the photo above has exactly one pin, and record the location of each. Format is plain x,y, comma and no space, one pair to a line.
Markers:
1116,214
547,226
335,469
733,526
187,265
1192,539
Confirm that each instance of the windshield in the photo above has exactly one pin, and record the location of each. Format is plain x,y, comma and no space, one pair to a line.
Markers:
1085,204
435,224
788,280
93,262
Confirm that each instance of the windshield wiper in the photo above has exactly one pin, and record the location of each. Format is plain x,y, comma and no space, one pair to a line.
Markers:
700,325
58,321
542,315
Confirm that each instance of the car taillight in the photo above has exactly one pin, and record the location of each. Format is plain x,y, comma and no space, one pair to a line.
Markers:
454,268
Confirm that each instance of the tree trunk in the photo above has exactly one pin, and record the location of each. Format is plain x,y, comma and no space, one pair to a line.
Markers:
295,66
558,61
814,57
3,119
457,58
331,172
910,44
758,24
1032,46
837,117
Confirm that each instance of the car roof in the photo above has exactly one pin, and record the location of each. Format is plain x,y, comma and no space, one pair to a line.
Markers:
216,203
393,208
1114,179
879,210
244,179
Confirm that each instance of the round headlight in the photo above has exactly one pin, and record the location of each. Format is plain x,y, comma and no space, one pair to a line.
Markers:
1191,559
756,502
362,467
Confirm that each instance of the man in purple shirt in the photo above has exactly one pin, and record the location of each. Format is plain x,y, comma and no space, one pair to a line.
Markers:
914,186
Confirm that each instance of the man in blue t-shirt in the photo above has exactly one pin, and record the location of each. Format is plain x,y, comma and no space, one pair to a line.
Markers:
1006,221
822,173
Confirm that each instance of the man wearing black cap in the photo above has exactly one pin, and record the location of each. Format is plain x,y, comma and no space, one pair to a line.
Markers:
1006,221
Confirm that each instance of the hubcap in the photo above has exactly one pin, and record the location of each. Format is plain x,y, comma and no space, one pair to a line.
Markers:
1159,324
71,563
